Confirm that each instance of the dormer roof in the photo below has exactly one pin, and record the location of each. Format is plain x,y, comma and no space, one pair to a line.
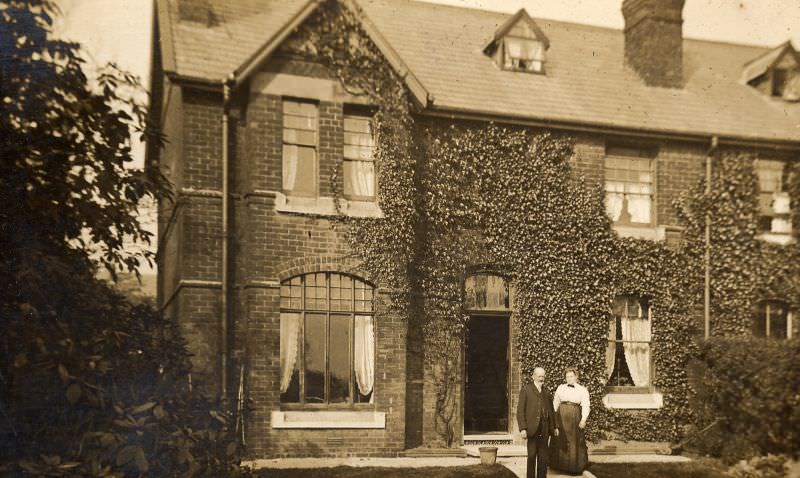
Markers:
506,28
760,65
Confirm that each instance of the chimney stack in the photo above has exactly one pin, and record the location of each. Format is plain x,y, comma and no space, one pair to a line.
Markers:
654,40
198,11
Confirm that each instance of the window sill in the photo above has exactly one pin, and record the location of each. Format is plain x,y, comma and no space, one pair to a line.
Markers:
777,238
328,419
324,206
652,233
633,401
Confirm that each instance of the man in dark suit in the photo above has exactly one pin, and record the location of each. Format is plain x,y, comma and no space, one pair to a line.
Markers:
537,421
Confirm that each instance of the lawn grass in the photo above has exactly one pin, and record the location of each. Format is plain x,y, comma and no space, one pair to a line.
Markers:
474,471
691,469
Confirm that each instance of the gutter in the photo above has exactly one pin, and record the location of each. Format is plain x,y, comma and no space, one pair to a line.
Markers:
588,127
712,149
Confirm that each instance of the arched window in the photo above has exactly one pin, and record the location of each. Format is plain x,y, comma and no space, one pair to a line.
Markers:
772,320
327,340
628,356
488,292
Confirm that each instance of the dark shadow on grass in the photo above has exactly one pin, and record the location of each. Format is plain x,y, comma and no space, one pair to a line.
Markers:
692,469
474,471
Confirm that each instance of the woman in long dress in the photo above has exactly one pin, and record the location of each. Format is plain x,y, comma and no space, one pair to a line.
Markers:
571,402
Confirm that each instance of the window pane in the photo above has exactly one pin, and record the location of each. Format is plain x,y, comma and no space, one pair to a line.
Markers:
314,350
299,169
341,292
294,136
291,293
359,178
777,322
340,358
316,292
289,355
629,360
357,124
299,147
760,321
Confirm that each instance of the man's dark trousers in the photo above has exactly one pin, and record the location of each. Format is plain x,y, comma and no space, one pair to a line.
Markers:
536,416
537,455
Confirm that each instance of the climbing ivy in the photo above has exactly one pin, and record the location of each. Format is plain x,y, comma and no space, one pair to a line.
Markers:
743,268
457,196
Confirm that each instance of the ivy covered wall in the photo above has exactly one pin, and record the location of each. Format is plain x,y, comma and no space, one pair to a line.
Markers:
456,195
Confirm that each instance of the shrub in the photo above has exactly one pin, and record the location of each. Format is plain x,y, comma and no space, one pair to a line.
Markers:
745,397
96,386
770,466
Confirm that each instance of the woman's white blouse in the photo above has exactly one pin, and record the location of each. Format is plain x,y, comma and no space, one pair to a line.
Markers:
579,394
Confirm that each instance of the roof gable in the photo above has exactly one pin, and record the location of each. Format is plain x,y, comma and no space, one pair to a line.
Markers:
520,25
759,66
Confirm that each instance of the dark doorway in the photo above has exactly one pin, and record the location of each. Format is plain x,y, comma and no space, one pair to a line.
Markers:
486,390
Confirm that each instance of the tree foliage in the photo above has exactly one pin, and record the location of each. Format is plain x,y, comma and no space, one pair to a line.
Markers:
90,384
64,181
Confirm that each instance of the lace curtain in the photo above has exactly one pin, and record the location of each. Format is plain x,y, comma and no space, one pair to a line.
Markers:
611,350
290,330
364,350
637,353
361,180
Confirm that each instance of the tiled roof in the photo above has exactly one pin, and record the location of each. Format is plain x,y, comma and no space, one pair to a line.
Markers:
586,81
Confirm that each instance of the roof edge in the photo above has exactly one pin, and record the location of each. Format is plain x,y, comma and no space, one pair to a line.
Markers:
165,37
596,127
415,86
246,69
249,66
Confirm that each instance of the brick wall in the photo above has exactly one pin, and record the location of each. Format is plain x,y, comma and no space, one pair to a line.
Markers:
268,246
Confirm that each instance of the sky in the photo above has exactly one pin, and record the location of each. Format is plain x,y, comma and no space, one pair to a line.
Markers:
120,30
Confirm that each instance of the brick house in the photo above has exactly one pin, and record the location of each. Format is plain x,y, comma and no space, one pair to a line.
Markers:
254,135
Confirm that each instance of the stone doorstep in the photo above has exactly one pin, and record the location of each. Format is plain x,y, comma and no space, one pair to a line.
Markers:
502,450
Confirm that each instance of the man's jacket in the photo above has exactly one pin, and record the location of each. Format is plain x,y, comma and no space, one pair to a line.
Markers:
530,409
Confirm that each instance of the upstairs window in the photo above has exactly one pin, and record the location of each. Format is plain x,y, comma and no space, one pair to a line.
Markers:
773,198
327,340
629,186
519,44
523,54
772,320
359,163
775,73
628,355
300,161
780,78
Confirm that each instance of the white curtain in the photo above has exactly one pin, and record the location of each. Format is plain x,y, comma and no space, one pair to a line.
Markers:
614,205
362,178
637,355
290,329
364,354
513,48
611,350
639,203
290,158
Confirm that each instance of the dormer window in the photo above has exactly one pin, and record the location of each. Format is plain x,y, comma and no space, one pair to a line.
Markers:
519,45
776,73
523,54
